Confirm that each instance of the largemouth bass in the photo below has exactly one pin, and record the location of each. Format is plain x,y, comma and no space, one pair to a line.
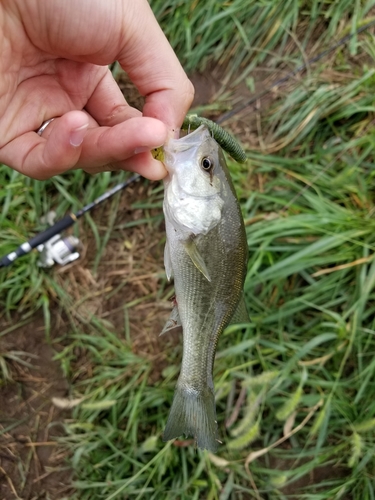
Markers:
206,253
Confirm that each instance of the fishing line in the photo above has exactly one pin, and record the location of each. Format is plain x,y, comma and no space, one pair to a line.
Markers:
311,183
226,141
289,75
294,72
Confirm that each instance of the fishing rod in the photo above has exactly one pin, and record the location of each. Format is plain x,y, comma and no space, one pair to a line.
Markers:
67,246
63,250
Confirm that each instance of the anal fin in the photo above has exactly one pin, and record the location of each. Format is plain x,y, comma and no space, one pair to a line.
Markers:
173,321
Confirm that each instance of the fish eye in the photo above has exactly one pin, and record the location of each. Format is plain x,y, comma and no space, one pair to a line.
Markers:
207,164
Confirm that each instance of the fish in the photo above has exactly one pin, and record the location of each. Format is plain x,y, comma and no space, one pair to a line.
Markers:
206,253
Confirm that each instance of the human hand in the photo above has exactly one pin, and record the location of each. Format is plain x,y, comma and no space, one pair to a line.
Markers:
54,57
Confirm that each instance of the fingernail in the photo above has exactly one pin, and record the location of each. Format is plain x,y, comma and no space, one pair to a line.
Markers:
141,149
77,135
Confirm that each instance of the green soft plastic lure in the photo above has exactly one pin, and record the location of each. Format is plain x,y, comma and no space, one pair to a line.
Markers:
221,136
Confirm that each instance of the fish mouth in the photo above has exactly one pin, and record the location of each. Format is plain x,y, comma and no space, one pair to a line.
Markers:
189,141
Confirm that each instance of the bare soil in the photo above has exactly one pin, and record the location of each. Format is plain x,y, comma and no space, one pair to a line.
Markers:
31,464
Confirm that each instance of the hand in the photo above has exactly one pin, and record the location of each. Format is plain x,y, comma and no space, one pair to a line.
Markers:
54,57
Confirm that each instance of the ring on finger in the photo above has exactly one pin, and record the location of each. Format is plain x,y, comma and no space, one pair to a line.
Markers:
44,126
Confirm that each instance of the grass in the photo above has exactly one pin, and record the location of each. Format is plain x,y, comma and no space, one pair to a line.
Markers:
294,387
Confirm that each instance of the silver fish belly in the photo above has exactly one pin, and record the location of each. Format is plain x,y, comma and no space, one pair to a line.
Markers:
206,252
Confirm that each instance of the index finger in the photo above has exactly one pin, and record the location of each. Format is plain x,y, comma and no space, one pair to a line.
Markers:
152,65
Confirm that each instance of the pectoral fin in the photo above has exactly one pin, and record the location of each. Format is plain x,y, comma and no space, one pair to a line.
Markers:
172,322
167,261
240,314
196,257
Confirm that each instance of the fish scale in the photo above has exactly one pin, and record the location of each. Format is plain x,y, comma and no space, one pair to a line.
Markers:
209,267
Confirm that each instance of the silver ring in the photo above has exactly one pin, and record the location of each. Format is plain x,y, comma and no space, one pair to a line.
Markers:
44,126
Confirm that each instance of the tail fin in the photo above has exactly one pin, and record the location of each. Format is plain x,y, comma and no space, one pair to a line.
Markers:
193,414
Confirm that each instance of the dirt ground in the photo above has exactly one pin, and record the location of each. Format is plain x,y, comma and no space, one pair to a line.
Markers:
31,464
